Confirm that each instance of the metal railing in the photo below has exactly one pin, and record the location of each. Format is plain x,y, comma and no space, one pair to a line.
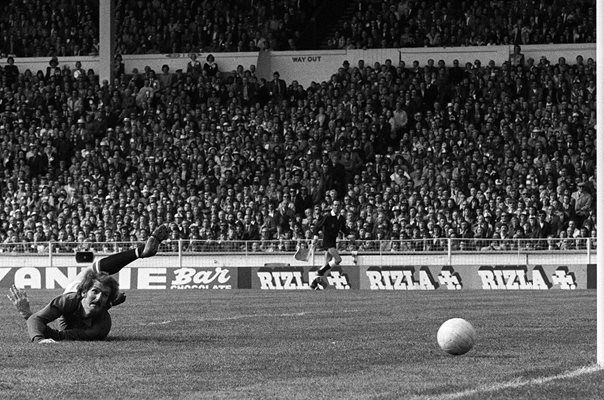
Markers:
431,246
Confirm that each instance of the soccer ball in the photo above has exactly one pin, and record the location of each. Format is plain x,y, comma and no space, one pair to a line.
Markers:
456,336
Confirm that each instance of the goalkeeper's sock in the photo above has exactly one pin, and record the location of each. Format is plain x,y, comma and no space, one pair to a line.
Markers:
114,263
323,270
327,267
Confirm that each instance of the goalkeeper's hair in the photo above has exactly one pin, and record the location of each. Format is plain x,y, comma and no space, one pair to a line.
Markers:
104,279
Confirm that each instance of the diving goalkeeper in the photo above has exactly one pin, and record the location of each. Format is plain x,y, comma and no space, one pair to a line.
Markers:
82,308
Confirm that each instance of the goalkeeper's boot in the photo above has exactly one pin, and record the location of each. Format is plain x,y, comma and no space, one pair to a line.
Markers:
317,283
159,235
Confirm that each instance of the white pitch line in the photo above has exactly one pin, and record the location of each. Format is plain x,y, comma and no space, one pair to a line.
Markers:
247,316
156,323
516,383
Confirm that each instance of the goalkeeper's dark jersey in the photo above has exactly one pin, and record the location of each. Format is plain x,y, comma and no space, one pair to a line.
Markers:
73,325
331,225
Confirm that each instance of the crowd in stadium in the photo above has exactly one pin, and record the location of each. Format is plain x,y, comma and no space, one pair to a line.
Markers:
59,28
70,27
474,152
414,23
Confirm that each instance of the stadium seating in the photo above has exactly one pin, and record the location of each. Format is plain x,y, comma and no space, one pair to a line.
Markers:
411,23
427,153
499,154
45,29
191,26
70,28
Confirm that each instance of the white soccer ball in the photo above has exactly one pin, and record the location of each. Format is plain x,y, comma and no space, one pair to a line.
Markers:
456,336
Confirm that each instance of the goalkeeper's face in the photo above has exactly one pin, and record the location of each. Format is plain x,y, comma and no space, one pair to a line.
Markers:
95,299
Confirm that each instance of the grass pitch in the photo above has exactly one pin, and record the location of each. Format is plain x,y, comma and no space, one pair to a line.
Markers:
250,344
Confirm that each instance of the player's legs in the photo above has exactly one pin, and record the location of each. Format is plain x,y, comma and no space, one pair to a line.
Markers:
332,258
327,257
111,264
114,263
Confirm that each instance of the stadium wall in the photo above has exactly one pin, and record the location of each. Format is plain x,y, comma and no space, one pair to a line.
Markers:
318,66
492,271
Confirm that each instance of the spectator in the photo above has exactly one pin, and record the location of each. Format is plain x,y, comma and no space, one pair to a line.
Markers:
194,67
278,88
583,203
210,67
11,71
165,78
118,66
517,58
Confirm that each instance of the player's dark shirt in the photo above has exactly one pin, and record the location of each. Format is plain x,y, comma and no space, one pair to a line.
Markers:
73,325
331,225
